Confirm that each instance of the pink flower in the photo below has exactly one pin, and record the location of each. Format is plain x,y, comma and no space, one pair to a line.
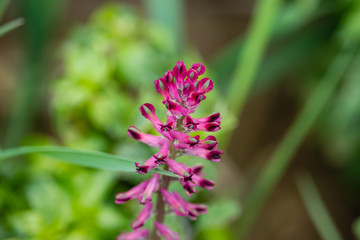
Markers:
137,234
155,160
132,193
177,204
151,140
182,91
143,191
163,230
181,207
196,209
143,216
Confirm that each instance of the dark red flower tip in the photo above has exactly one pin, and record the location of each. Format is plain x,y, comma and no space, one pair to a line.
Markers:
196,169
166,127
188,188
214,155
133,132
168,77
141,169
204,183
214,117
147,110
212,127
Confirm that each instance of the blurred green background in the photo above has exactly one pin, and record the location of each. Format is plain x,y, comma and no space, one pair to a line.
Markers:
287,83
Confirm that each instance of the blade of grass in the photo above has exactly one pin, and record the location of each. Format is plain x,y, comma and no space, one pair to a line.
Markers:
11,25
25,102
253,51
316,208
170,14
93,159
3,6
282,156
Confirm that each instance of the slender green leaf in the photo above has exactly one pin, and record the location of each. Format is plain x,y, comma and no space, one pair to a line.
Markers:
3,6
11,25
282,156
25,103
316,208
253,50
91,159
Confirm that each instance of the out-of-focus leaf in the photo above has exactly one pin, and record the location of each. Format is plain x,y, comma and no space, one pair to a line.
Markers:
216,233
254,47
11,25
170,14
317,209
339,127
282,156
356,228
350,30
3,6
219,214
91,159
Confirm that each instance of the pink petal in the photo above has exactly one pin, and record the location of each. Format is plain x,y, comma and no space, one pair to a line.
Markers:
177,205
147,165
192,74
177,168
199,68
151,187
179,72
205,85
149,139
212,118
165,231
132,193
176,109
143,216
173,90
137,234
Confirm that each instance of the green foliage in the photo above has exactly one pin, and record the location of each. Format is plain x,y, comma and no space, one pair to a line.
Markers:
109,67
98,160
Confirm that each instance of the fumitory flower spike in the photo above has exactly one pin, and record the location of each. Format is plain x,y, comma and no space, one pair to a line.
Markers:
182,90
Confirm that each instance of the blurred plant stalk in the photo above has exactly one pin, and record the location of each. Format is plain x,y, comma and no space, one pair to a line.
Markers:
282,156
26,101
316,208
250,57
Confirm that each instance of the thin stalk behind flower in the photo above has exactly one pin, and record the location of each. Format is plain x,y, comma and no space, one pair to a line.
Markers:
164,183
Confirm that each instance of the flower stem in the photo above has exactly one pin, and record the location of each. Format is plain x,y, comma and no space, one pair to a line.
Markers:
164,183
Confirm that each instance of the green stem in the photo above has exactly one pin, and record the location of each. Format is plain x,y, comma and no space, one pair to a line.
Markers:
253,51
160,204
165,181
316,208
283,154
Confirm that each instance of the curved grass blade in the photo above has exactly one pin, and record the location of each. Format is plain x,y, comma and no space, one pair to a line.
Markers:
250,57
98,160
316,208
11,25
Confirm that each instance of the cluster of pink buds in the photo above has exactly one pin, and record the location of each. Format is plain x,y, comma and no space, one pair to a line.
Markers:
182,93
